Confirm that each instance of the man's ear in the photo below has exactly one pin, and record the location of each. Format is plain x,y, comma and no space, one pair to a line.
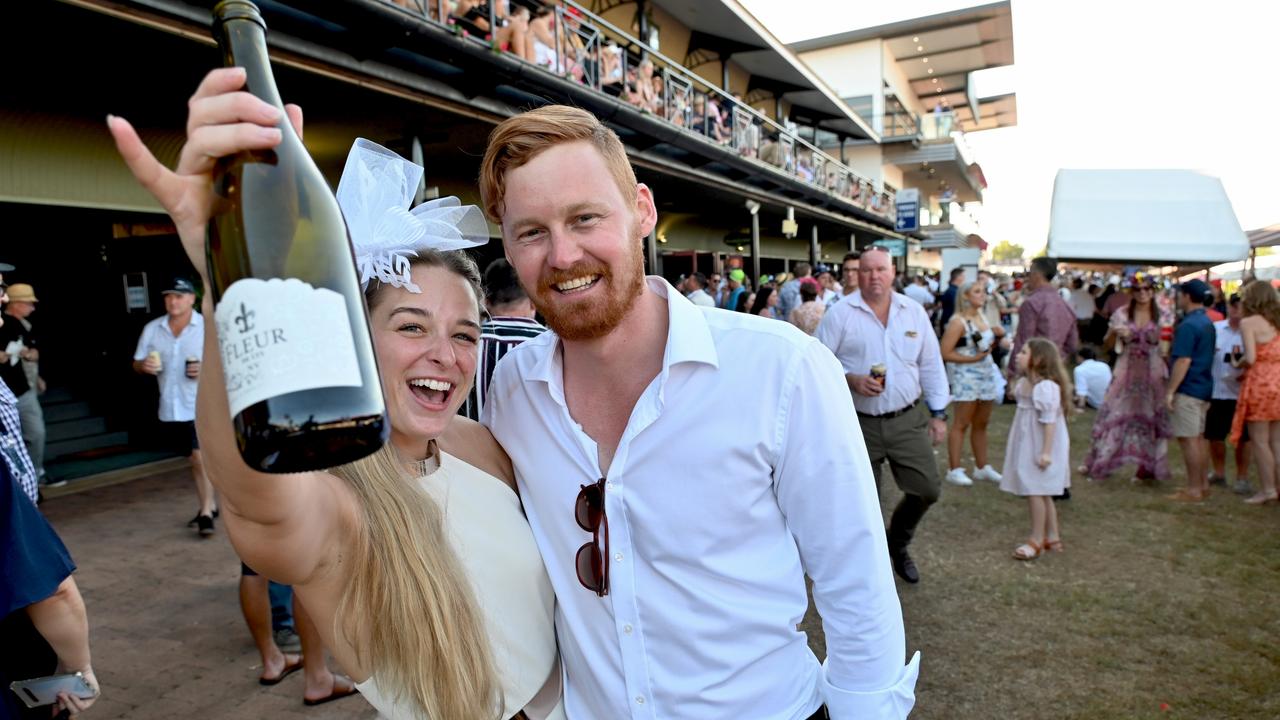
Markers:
646,209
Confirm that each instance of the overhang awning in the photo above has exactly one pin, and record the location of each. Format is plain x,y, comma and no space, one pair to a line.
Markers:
729,19
1143,217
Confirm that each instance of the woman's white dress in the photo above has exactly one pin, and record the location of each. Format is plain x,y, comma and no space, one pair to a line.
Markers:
487,528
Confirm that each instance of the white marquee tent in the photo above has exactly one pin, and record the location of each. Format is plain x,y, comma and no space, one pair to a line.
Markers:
1143,217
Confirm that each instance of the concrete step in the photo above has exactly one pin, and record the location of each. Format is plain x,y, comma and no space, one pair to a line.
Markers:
90,442
69,429
56,395
63,411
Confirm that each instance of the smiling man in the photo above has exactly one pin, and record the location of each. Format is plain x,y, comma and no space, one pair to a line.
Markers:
679,598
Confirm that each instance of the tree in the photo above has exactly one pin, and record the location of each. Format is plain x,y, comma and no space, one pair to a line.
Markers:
1007,251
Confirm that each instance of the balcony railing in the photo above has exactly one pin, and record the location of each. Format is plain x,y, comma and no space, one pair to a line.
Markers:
574,43
938,125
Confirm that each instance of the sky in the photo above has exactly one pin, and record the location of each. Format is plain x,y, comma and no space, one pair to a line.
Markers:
1108,84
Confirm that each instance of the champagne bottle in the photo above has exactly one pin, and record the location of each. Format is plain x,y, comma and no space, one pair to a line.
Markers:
302,382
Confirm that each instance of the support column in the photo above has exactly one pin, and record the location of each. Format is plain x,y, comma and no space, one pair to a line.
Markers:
755,249
853,242
814,251
724,73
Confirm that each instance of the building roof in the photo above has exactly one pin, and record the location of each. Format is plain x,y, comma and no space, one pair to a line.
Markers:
939,53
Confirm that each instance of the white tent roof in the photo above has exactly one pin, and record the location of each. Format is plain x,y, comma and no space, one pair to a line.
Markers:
1145,217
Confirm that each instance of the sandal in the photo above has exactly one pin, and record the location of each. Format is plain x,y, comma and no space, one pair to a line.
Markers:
288,669
1263,499
1030,550
342,687
1188,497
1053,545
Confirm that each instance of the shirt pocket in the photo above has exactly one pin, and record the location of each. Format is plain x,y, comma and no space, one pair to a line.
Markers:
906,346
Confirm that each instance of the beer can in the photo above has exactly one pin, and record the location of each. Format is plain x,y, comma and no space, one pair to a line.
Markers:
878,372
155,355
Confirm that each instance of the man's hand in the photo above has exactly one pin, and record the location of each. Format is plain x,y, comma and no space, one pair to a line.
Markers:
866,385
193,370
151,366
4,357
29,354
1168,401
937,430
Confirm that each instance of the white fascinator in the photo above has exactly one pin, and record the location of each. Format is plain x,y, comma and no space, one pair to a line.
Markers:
374,193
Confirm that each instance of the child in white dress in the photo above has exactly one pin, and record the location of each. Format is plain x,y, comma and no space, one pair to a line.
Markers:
1036,460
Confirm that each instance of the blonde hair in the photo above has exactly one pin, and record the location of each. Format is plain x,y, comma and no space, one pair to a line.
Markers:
424,641
1045,363
1259,298
427,643
519,139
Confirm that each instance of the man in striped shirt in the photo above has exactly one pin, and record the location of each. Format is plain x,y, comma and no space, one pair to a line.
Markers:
511,322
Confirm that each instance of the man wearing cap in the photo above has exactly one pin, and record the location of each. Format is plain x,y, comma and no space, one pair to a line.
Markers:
736,278
1191,386
17,349
170,348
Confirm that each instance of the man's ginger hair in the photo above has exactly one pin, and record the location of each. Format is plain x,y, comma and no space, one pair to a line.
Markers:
519,139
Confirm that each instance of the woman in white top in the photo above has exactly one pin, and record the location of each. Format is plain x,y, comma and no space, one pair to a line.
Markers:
966,347
416,563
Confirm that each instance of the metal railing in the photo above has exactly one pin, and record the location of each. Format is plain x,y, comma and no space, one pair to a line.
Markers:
938,125
592,51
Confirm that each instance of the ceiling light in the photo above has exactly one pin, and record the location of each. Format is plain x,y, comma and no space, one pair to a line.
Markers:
919,48
935,81
915,39
926,59
930,71
938,90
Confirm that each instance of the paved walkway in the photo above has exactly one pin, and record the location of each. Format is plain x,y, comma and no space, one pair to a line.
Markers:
167,636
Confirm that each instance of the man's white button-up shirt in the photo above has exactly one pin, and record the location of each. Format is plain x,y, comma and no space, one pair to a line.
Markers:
906,346
177,391
713,522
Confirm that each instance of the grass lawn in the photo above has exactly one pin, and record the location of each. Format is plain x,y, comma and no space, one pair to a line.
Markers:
1156,609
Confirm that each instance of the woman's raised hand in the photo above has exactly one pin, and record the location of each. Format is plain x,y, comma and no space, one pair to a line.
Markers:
222,120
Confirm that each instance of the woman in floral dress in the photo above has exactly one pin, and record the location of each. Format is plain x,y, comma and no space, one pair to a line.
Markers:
1133,425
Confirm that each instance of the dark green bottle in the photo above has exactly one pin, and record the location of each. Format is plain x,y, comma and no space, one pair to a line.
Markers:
302,382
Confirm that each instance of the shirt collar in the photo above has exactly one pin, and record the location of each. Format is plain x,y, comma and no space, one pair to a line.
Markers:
688,337
896,300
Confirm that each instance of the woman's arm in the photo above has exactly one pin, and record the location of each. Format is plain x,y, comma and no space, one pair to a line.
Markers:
282,525
1249,337
61,621
472,443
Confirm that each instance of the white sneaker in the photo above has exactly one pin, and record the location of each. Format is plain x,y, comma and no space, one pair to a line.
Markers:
987,473
958,477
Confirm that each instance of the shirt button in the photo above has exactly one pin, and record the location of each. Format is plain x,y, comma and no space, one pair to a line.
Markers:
626,629
617,556
639,699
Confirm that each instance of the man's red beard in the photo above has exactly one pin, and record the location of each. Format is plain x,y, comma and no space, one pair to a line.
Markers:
588,319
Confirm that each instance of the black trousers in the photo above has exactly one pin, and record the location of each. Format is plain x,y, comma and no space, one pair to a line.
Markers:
820,714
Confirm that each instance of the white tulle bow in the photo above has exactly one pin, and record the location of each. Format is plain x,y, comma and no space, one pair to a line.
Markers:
374,193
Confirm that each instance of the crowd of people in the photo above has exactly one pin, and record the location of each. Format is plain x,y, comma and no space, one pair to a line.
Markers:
551,560
562,39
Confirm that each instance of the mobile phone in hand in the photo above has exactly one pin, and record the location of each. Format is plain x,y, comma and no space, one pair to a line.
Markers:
37,692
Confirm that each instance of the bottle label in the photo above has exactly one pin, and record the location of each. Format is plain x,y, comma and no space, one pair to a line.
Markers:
283,336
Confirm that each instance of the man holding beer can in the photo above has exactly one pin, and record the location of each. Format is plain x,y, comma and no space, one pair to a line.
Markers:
891,359
170,349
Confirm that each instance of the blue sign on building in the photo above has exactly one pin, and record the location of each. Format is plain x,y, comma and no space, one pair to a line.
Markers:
908,202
